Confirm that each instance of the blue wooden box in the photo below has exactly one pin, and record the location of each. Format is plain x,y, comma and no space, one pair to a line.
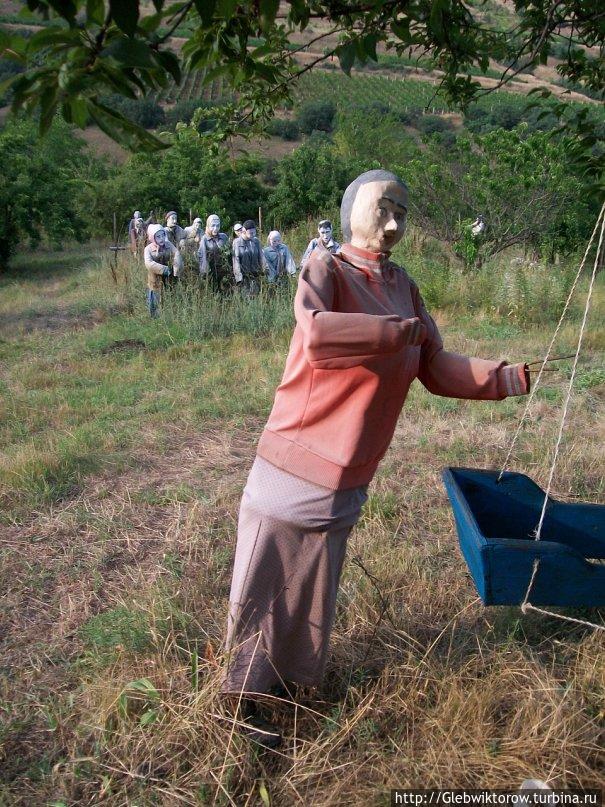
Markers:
496,523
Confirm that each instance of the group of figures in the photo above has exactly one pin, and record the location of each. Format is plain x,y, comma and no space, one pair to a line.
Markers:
170,251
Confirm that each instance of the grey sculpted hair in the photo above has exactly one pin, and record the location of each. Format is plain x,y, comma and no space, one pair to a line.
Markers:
349,196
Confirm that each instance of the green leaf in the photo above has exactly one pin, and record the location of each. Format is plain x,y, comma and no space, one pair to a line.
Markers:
53,35
125,14
263,793
130,52
206,9
65,8
95,11
226,8
79,112
268,12
148,717
170,62
346,56
151,22
122,130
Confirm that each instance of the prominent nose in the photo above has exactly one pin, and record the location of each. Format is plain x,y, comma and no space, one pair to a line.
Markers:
391,226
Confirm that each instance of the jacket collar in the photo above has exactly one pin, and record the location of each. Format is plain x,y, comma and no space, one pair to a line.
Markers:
372,264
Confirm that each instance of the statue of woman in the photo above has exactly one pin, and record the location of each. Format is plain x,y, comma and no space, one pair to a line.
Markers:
280,263
163,263
213,255
174,231
362,336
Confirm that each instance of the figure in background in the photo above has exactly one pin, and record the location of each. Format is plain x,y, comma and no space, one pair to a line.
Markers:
280,263
213,254
193,233
248,260
325,240
237,229
190,243
174,231
137,234
163,261
478,226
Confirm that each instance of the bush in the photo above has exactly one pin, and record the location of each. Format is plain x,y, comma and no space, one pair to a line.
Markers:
142,111
311,181
316,116
286,129
409,116
431,124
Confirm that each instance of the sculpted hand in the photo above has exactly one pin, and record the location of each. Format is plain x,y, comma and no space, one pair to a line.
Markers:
414,332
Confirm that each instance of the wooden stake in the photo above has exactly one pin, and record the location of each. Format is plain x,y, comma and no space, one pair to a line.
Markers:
260,223
115,249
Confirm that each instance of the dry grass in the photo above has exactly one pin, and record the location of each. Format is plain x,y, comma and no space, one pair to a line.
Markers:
114,597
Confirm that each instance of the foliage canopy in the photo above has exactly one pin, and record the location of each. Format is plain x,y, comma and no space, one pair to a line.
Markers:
91,47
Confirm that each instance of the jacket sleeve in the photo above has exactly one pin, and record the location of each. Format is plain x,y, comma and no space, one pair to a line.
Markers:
150,264
201,254
290,265
307,253
455,376
334,339
237,270
177,261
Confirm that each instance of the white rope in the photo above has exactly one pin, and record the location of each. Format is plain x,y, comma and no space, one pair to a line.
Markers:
525,605
537,380
528,606
572,378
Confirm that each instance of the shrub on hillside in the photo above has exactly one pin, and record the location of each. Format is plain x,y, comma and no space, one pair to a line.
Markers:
316,116
311,181
286,129
431,124
142,111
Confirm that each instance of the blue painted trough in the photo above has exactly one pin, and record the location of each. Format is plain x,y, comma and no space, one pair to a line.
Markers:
496,523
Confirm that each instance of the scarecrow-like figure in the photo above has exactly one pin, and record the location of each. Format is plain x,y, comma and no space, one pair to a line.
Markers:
163,262
325,239
213,254
248,260
362,336
137,234
174,232
280,263
189,245
137,231
193,233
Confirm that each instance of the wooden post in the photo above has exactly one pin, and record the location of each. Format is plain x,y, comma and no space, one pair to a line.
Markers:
260,223
190,219
115,249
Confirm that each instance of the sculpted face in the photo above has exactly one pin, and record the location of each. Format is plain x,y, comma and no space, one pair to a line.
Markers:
275,240
378,216
171,220
213,225
248,234
325,233
160,238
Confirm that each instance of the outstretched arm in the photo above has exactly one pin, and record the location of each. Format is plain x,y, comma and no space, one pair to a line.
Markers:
456,376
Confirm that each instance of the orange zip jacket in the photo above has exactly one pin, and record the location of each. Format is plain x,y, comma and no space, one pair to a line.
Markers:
350,366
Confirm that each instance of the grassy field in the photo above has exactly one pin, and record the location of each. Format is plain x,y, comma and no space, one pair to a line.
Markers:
125,444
